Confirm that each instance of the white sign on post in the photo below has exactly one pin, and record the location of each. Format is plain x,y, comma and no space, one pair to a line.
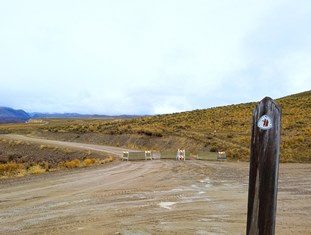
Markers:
265,122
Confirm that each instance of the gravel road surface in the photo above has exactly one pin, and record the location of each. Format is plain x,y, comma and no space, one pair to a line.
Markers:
149,197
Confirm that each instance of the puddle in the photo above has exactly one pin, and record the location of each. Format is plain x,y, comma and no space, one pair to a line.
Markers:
176,190
206,180
167,205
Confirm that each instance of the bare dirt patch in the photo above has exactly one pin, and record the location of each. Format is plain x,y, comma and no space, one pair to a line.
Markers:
149,197
21,149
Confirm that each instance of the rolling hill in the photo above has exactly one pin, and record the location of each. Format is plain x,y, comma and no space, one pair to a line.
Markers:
226,128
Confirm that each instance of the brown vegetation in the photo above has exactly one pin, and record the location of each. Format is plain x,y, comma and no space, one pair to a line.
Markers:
225,128
20,158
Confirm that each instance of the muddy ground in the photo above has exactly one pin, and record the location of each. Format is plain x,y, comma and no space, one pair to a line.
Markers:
149,197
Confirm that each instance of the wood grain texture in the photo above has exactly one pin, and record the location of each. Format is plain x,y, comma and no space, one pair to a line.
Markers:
263,174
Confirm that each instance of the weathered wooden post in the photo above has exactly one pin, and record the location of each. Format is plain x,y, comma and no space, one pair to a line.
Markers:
264,168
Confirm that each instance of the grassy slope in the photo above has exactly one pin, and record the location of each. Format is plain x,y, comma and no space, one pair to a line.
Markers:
225,128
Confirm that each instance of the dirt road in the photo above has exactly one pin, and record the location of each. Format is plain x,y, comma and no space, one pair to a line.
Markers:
101,148
149,197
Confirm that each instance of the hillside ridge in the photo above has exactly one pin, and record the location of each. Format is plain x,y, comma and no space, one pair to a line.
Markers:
226,128
10,115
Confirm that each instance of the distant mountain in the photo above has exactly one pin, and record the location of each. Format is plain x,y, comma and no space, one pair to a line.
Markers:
56,115
9,115
78,115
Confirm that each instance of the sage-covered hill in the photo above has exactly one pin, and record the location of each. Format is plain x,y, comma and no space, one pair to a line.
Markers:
225,128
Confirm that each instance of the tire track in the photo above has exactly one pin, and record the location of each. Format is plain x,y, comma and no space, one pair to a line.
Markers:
99,148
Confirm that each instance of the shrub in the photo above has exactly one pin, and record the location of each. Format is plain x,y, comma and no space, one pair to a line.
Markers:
72,164
149,132
9,168
29,165
214,149
37,169
46,166
68,151
43,146
88,161
106,160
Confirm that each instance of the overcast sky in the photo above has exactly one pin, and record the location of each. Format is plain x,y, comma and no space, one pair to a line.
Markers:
151,56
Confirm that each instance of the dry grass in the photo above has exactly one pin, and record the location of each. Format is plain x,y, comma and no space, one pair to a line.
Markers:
71,164
76,163
20,170
225,128
89,161
37,169
9,168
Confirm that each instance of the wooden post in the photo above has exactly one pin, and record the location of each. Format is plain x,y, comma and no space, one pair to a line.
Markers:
264,168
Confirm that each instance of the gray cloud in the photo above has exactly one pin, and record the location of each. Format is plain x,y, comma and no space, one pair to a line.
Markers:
147,57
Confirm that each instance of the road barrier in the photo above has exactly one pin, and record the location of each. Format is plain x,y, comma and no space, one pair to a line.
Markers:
148,155
212,156
125,155
173,155
142,155
151,155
